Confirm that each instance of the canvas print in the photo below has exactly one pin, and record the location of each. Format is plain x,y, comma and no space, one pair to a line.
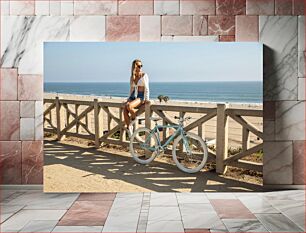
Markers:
153,117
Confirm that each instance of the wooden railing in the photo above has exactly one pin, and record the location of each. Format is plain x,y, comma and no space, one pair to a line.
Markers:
102,122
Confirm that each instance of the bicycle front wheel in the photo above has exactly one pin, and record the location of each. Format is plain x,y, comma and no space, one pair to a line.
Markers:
189,153
143,145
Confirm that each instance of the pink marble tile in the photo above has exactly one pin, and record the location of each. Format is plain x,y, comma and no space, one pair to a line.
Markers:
86,213
269,110
230,7
247,28
22,7
32,162
260,7
200,25
9,121
105,7
221,25
122,28
283,7
231,208
30,87
298,7
96,197
226,38
299,162
8,84
195,230
135,7
177,25
27,108
196,7
10,162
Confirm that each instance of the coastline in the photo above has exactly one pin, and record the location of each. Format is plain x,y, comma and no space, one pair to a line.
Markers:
171,101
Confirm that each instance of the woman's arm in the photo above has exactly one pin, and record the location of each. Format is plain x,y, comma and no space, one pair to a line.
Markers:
146,87
131,88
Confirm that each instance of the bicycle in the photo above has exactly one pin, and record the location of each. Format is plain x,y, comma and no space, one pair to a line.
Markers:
190,156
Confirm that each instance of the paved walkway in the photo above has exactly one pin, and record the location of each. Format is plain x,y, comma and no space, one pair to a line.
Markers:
35,211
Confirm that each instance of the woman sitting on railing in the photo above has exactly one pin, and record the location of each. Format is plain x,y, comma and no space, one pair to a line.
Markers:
139,93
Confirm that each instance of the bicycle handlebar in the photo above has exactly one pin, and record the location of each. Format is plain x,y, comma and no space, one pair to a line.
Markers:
182,119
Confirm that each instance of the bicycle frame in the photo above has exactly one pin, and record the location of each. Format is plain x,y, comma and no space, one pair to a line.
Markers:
156,129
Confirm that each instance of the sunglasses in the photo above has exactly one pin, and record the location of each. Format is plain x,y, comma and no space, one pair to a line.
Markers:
139,66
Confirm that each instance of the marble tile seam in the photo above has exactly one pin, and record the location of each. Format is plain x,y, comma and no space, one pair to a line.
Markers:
261,217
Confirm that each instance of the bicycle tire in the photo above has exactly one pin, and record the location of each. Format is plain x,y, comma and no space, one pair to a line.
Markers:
133,143
203,160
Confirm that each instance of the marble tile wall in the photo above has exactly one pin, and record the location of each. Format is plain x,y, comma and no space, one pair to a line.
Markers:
284,88
21,128
25,25
281,44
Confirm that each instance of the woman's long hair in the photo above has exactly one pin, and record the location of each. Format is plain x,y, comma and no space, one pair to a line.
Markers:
133,74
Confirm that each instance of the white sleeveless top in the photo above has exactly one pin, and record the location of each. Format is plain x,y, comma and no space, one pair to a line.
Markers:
142,82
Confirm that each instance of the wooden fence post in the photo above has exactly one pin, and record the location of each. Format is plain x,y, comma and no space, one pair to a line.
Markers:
245,139
109,122
58,118
121,125
200,130
222,138
148,113
96,122
77,125
165,130
101,122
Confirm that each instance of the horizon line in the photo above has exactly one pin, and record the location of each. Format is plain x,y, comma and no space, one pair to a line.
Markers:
159,81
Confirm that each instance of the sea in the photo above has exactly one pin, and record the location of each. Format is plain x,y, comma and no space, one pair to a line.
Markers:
216,92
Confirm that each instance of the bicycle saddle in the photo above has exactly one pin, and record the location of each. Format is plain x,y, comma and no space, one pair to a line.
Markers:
155,118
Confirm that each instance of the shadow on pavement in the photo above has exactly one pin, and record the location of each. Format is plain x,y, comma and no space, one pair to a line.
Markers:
157,176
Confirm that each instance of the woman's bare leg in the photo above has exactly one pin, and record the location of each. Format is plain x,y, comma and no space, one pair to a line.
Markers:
132,105
126,115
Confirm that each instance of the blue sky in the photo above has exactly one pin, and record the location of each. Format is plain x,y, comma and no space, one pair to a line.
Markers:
162,61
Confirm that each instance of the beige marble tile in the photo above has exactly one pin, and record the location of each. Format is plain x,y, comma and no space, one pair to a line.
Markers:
278,163
150,28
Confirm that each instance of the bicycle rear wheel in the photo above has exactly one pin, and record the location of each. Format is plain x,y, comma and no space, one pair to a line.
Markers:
143,145
189,153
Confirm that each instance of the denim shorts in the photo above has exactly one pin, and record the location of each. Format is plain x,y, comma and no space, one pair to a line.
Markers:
139,95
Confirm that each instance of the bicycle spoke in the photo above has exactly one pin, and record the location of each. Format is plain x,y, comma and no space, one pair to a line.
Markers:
143,145
190,153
